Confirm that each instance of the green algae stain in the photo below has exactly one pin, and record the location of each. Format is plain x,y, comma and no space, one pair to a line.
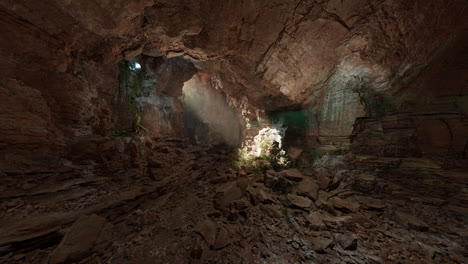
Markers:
293,119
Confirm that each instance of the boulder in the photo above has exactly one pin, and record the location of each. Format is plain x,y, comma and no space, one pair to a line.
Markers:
346,206
130,54
271,174
78,242
207,229
323,180
300,202
370,203
338,221
308,188
334,184
222,240
226,194
364,182
322,203
258,196
315,220
319,244
292,174
348,241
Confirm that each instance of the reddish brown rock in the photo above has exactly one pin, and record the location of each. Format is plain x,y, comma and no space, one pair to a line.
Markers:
300,202
208,230
271,210
323,180
347,241
410,221
315,220
79,240
308,188
223,238
347,205
370,203
364,182
226,194
259,196
338,221
320,244
292,174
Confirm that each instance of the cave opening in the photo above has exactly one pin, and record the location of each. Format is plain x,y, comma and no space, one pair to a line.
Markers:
208,117
171,96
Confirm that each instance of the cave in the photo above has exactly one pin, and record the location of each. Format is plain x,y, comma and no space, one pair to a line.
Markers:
268,131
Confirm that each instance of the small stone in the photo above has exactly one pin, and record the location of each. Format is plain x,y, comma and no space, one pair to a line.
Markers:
308,188
347,241
334,184
295,245
346,206
370,203
325,206
258,196
376,259
319,244
292,174
301,202
338,221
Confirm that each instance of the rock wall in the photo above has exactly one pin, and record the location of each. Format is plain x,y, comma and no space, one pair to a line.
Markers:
412,135
431,113
269,55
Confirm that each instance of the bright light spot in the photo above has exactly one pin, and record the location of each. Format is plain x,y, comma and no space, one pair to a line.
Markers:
134,66
265,145
266,140
203,104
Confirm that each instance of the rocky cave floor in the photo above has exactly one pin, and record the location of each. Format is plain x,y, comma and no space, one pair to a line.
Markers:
190,206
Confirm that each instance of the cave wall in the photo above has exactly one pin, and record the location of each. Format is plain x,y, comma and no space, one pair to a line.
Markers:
268,55
431,117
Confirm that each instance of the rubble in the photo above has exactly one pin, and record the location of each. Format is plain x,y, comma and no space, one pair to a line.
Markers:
206,216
